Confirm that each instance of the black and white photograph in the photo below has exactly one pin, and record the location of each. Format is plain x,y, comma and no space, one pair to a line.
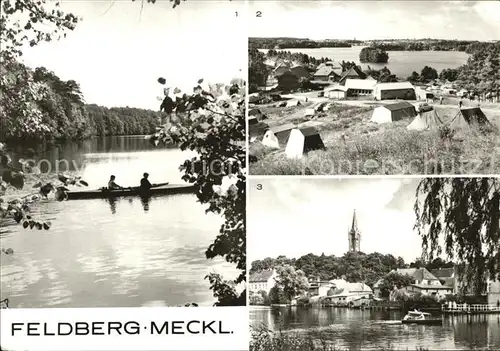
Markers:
112,192
374,264
374,87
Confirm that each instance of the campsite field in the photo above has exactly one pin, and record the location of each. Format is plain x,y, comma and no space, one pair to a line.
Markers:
355,145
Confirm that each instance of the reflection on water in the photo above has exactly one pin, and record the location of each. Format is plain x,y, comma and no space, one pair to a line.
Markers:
124,252
373,330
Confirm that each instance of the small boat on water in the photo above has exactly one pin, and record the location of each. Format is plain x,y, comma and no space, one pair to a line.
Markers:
157,189
417,317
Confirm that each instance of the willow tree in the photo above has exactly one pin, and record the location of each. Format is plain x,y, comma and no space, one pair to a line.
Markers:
460,218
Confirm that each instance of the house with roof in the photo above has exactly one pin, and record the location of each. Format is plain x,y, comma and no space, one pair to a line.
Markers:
447,277
328,71
300,72
344,293
262,281
334,65
359,87
352,73
391,91
423,282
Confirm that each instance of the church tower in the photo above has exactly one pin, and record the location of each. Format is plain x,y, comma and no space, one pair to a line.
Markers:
354,236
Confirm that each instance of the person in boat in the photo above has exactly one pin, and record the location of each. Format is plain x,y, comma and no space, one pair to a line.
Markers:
112,185
145,184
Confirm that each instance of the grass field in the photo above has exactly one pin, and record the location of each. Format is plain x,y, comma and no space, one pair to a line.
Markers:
355,145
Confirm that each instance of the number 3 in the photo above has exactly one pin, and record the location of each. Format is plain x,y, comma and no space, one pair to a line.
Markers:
259,186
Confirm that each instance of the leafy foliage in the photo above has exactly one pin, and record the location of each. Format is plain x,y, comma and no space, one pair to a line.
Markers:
212,123
353,266
293,282
30,22
393,280
39,106
257,69
481,73
373,54
460,216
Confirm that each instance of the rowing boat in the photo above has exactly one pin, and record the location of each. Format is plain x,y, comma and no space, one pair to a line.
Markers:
160,189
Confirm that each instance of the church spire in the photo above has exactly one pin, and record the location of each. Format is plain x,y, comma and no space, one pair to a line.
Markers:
354,236
354,226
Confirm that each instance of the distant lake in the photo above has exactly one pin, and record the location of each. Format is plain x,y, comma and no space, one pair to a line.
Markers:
123,253
373,330
401,63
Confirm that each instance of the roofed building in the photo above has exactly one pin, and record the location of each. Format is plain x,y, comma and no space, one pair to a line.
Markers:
326,74
352,73
262,281
390,91
357,87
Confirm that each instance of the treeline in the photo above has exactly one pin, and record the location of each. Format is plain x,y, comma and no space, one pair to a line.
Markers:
426,45
481,72
352,266
297,43
53,109
297,57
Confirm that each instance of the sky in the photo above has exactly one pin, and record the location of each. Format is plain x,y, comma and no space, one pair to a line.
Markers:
365,20
294,217
116,53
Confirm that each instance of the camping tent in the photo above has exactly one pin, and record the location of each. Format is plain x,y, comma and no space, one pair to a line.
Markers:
426,121
469,116
292,102
257,113
393,112
310,112
302,141
270,140
283,132
252,120
258,129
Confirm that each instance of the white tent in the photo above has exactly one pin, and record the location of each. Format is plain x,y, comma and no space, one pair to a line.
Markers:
393,112
426,121
292,102
270,140
310,112
302,141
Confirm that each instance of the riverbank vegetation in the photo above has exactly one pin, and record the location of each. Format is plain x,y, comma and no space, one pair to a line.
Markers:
313,339
58,110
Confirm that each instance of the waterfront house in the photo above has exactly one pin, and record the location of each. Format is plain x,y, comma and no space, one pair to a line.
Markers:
345,292
399,90
493,292
447,277
437,291
319,288
262,281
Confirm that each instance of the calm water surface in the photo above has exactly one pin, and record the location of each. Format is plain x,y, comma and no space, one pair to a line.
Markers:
371,330
401,63
124,253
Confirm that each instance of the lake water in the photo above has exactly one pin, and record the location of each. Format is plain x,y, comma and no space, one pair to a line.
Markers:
401,63
373,330
123,253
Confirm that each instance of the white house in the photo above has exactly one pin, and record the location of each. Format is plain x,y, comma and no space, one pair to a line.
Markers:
262,281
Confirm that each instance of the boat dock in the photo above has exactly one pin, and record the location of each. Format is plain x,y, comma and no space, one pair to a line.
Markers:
453,308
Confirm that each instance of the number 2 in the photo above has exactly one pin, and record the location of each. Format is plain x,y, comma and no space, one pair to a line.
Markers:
258,14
